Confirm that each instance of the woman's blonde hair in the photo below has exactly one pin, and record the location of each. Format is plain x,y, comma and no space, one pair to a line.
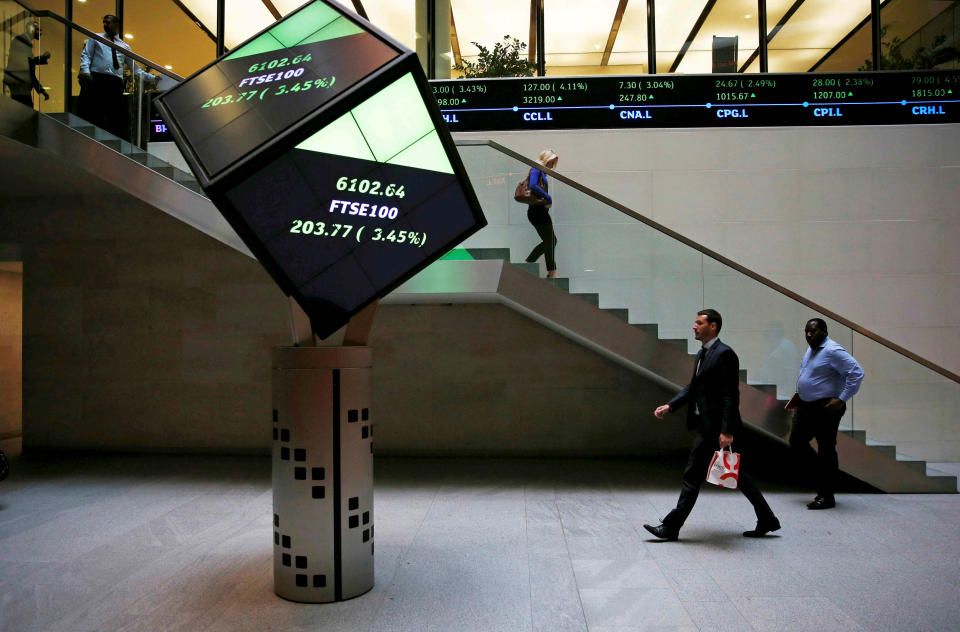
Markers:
546,156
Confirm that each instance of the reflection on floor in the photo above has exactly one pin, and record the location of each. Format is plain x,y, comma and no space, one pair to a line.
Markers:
185,543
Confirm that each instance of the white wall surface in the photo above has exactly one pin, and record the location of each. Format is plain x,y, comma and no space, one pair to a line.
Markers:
862,220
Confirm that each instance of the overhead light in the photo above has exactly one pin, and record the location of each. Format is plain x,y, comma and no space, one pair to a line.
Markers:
748,16
128,35
168,67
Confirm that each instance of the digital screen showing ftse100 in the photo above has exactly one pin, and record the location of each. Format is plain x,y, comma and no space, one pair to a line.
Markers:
719,100
357,205
272,81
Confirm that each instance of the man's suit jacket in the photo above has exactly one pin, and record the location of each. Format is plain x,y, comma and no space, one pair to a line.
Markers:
715,391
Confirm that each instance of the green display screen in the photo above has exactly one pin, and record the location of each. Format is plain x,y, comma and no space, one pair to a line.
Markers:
349,211
272,81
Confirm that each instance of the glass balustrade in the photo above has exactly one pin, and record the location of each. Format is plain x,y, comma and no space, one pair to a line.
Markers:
41,68
663,280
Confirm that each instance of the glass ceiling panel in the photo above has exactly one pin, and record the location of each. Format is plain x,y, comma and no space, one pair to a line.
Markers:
487,23
245,18
776,9
728,18
674,21
631,44
286,7
577,27
398,18
811,32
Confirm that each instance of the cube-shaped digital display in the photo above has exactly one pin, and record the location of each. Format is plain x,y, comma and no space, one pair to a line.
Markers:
320,142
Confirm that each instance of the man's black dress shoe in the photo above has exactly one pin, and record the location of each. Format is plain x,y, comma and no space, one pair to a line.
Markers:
763,528
822,502
663,532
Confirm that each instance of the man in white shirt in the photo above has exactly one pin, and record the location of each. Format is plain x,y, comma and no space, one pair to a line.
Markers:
101,80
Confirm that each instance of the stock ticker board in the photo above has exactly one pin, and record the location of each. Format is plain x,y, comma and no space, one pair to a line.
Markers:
319,142
725,100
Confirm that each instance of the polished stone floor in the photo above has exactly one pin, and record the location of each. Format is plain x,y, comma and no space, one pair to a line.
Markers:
168,543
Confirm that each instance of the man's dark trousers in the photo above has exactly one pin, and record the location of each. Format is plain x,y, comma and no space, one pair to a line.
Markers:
695,474
815,420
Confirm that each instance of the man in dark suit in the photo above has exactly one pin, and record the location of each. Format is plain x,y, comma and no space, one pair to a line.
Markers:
713,410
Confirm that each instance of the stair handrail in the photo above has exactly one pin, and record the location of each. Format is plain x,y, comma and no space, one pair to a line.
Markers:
773,285
126,52
44,13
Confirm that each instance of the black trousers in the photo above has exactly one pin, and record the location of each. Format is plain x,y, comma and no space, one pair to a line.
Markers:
813,420
102,103
539,217
701,453
25,99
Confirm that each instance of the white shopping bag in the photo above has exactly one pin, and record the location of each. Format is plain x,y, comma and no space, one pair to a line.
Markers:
724,469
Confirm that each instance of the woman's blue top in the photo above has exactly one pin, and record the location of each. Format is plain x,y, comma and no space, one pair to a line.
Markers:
535,175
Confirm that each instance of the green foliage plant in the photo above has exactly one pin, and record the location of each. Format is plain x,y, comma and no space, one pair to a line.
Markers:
505,59
922,58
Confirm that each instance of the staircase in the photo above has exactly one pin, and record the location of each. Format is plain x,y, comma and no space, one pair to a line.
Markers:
129,150
492,278
134,170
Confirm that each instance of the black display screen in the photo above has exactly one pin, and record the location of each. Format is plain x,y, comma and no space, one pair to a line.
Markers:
272,81
350,211
864,98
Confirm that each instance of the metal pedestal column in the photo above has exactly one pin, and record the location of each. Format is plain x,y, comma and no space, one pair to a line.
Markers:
322,473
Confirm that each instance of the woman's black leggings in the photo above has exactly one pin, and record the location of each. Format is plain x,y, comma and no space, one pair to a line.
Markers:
539,217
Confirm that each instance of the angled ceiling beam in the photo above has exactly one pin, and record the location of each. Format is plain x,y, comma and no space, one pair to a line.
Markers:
195,20
358,7
454,41
614,29
532,44
773,33
693,34
865,21
272,9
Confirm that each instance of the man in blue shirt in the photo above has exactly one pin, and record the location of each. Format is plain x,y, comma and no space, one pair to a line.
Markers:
829,377
102,83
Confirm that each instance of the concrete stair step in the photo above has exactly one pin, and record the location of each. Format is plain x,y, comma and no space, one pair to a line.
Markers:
194,186
490,253
919,466
620,313
593,299
769,389
883,448
86,130
167,171
859,435
560,282
650,328
532,268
